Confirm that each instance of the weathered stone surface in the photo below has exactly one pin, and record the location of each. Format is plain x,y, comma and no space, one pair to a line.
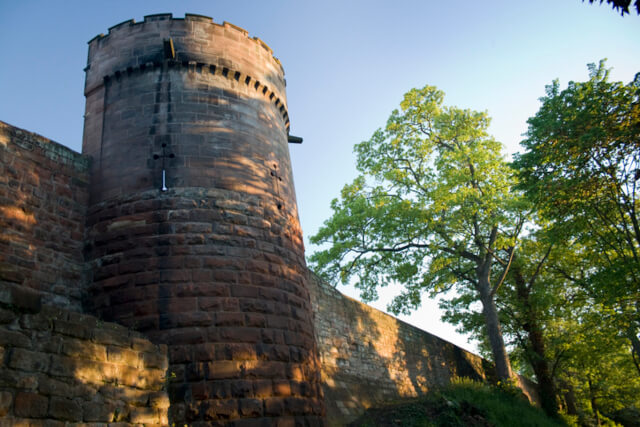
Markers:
62,379
45,195
369,357
214,266
30,405
62,408
6,399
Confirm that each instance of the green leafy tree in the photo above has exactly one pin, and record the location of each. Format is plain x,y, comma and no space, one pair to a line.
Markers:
557,331
581,168
432,209
590,359
528,301
621,5
529,294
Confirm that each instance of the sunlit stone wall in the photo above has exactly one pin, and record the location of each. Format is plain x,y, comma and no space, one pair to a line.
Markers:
43,204
214,265
369,358
59,366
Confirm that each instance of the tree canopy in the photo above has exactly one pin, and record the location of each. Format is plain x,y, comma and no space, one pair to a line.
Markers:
433,208
620,5
543,253
581,168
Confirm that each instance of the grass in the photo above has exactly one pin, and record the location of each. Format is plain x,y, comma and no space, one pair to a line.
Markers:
463,403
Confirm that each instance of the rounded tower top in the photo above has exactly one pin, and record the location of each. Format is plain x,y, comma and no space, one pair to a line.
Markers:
192,41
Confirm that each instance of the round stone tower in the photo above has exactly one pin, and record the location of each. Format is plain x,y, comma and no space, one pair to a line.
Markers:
194,236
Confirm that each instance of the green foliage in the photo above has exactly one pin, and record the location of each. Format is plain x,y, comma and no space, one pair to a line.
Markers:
433,209
463,403
581,168
432,189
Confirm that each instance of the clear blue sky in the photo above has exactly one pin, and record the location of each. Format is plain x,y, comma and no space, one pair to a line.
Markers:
347,65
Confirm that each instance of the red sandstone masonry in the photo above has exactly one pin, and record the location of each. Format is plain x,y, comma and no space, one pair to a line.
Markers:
60,366
43,203
214,266
369,358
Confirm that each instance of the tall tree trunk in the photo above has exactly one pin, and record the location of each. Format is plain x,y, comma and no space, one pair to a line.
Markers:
594,402
494,330
635,345
537,354
540,365
570,399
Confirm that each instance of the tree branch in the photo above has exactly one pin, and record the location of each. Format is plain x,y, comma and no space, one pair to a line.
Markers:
511,251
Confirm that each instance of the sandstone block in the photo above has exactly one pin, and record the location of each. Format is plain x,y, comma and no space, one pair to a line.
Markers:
250,407
220,409
6,399
30,405
30,361
103,412
65,409
274,406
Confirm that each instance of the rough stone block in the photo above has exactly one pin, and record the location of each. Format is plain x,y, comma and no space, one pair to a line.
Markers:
220,409
72,329
123,356
241,388
103,412
30,405
30,361
109,337
62,366
7,316
65,409
6,399
144,416
154,360
159,400
298,406
83,349
250,407
274,406
13,339
219,389
282,387
224,369
26,299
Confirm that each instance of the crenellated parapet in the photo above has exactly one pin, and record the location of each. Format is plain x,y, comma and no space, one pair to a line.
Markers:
224,50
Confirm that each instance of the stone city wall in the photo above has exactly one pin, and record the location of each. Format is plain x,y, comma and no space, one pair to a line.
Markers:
369,358
59,366
43,204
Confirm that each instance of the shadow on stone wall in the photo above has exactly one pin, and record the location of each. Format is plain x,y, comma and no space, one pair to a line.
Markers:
60,366
43,196
369,357
213,266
